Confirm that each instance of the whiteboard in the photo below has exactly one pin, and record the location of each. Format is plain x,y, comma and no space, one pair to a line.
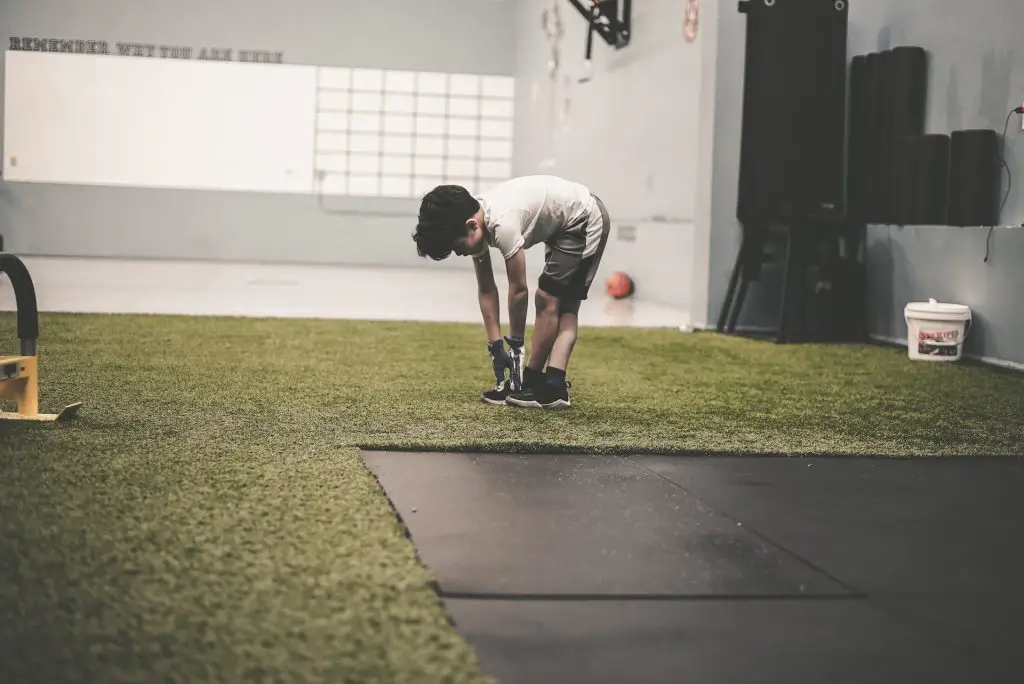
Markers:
158,123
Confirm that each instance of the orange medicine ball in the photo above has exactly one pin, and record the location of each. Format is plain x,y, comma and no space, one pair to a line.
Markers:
619,285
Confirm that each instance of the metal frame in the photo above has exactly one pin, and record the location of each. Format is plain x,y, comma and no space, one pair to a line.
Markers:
603,18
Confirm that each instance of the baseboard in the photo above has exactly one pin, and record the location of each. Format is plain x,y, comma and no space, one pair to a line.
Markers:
749,329
891,341
883,339
988,360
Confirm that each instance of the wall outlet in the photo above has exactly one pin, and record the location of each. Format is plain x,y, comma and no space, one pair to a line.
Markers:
627,233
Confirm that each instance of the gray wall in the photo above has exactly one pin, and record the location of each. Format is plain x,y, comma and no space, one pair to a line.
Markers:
976,74
631,134
470,36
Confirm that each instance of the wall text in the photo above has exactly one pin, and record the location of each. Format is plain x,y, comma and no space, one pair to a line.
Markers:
159,51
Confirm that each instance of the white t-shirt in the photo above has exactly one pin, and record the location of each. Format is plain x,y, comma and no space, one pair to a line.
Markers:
524,211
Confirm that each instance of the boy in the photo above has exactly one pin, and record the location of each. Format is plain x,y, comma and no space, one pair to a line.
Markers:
572,223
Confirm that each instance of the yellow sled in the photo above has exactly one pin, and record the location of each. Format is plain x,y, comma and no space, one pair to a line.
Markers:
19,375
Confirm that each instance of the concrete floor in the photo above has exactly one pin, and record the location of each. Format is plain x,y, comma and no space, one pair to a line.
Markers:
96,285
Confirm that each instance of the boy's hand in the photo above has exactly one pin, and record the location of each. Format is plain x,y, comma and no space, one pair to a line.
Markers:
516,371
500,359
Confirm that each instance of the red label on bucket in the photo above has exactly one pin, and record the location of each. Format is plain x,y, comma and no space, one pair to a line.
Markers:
938,336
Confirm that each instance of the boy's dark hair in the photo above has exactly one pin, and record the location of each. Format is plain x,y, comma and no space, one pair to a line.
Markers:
443,215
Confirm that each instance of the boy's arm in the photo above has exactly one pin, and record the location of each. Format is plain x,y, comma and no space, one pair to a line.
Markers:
487,293
518,294
508,236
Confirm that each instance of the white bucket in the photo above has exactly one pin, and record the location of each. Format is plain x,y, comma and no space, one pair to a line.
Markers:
936,331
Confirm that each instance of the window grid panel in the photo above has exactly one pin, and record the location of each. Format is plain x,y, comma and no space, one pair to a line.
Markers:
334,77
364,164
396,165
399,124
332,121
432,83
365,143
380,146
459,127
332,141
332,163
400,81
498,86
460,167
368,102
494,169
428,166
479,144
393,134
366,185
495,149
464,106
370,80
464,148
395,186
421,93
496,129
398,144
334,184
496,109
447,105
399,103
464,84
333,100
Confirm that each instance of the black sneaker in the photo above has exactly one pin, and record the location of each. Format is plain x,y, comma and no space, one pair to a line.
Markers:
497,395
524,396
552,396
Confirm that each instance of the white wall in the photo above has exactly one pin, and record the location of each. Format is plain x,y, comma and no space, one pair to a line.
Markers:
272,128
158,123
975,76
631,133
147,222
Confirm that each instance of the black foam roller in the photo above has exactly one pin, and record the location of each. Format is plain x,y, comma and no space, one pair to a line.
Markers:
872,125
974,178
857,165
883,176
907,153
907,82
908,93
931,180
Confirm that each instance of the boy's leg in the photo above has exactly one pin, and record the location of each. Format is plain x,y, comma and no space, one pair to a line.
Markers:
568,319
545,329
565,340
568,274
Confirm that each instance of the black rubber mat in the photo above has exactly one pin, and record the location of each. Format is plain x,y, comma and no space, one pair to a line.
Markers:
502,525
920,525
652,568
729,642
936,543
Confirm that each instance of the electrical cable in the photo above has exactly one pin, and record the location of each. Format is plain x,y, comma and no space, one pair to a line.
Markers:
1009,178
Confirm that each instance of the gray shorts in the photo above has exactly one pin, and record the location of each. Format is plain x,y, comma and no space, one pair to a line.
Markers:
568,272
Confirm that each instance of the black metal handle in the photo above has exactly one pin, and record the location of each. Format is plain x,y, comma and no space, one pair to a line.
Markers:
25,300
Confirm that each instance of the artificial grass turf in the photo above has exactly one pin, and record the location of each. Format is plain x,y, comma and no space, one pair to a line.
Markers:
207,517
